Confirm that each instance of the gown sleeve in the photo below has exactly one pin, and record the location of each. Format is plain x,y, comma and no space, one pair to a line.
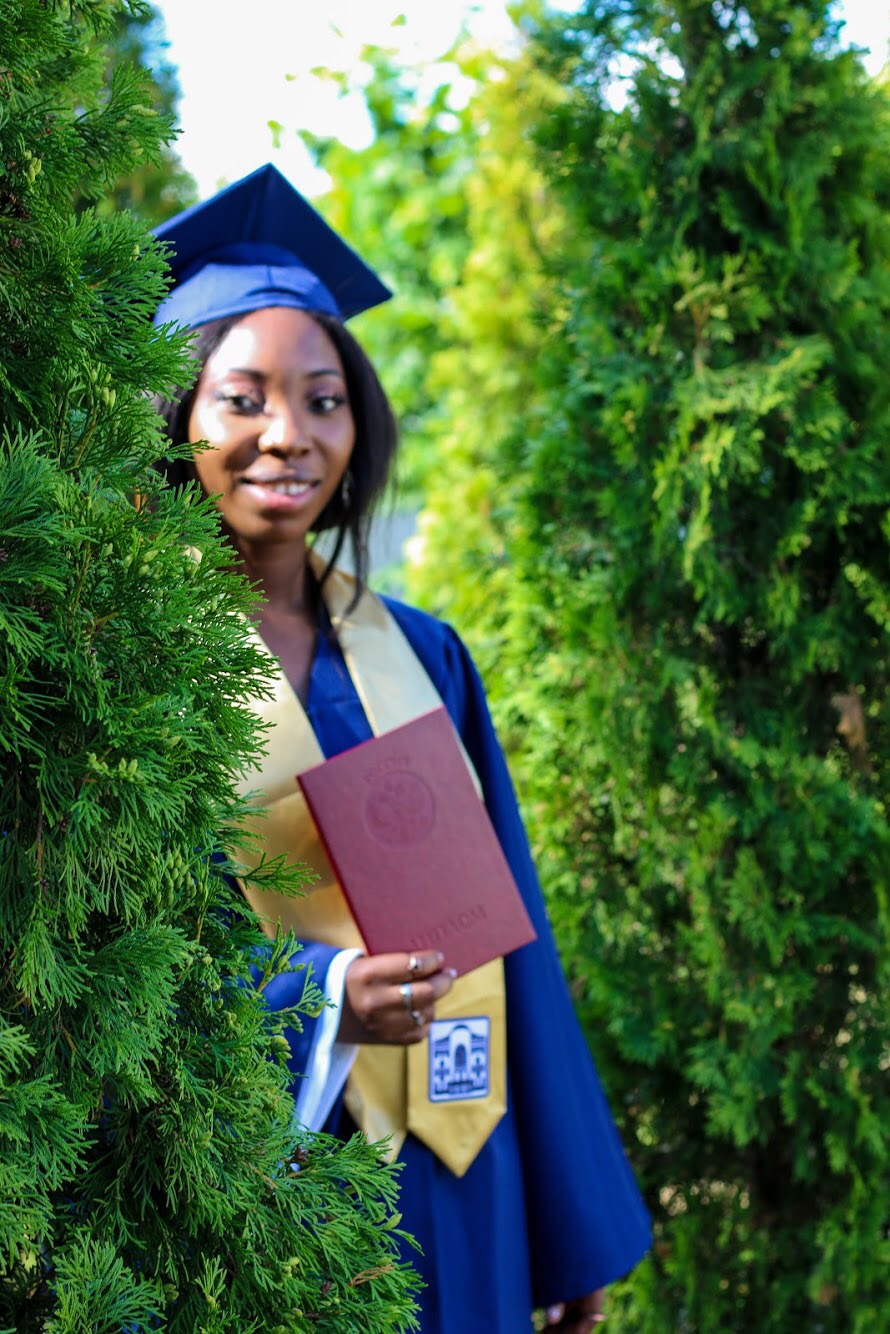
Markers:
586,1220
318,1063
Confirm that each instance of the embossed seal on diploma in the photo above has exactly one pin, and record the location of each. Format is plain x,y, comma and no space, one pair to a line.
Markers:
400,809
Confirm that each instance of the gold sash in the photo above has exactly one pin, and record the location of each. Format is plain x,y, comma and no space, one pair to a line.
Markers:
388,1088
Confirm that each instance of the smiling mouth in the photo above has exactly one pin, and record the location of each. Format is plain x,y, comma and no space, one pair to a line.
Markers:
286,486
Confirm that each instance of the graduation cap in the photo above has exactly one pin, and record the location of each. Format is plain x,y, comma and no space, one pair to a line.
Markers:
259,243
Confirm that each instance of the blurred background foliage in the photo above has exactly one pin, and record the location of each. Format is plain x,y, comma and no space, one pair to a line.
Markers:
639,352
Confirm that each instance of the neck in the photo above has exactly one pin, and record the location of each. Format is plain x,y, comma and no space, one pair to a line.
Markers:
280,572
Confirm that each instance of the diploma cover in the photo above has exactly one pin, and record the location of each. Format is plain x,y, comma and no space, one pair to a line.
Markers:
413,848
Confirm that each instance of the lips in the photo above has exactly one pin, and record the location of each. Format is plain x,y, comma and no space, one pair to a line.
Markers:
287,486
276,493
272,493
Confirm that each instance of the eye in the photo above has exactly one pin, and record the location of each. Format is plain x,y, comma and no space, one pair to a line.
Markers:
322,404
244,404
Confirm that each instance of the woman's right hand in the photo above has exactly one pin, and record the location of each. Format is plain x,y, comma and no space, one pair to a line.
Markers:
392,997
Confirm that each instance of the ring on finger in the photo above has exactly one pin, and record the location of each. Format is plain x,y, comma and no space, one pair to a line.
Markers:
417,1019
413,964
407,993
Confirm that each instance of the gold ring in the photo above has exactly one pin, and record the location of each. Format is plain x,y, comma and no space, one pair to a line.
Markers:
407,995
417,1019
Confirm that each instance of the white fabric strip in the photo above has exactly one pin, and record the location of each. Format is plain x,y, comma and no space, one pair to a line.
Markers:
329,1061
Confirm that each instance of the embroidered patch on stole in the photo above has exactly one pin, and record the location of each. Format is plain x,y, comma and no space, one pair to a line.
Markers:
459,1059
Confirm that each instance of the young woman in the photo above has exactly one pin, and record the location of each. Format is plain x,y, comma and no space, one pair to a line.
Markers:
520,1198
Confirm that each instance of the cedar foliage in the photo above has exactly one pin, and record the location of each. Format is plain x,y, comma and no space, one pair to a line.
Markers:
148,1157
693,637
153,190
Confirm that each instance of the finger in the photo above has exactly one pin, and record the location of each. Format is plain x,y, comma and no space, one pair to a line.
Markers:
394,968
422,995
584,1314
593,1304
421,964
419,1028
439,985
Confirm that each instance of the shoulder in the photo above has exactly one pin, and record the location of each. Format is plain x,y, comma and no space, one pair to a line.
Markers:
421,626
426,634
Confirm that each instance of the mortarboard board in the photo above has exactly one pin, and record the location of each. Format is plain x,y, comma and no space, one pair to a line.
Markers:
259,243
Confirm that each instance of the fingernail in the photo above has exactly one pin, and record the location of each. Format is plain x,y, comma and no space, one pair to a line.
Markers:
440,958
451,972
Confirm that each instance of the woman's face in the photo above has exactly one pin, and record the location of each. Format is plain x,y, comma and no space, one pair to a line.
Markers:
272,403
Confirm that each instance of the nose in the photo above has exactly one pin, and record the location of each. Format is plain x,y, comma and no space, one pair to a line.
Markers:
283,430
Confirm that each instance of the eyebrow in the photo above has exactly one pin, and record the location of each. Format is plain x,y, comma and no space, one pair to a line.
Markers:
262,375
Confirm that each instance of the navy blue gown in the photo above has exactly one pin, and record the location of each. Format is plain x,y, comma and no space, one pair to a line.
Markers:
549,1210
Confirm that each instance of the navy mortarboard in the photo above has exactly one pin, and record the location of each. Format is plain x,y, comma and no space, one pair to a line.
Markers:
258,243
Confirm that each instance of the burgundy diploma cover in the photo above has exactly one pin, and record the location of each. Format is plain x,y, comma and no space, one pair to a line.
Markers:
413,848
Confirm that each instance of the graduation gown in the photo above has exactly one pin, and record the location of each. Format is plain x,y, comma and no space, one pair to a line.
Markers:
549,1210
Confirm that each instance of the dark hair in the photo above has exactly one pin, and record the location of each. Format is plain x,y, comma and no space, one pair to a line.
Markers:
376,435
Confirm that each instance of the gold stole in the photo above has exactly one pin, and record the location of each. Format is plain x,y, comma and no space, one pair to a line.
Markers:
388,1088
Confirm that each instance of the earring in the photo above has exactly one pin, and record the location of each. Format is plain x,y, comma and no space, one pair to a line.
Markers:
346,488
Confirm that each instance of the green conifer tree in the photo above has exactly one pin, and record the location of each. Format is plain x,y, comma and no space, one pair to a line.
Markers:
153,190
693,639
149,1176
